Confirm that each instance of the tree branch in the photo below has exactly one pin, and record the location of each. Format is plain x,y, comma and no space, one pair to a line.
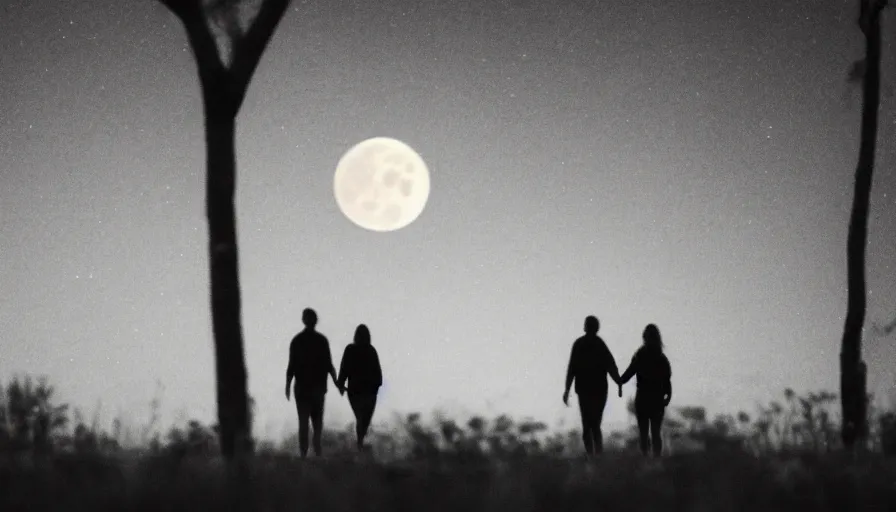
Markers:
181,8
227,13
248,50
208,59
869,10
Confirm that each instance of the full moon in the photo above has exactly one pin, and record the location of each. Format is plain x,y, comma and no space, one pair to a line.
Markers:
381,184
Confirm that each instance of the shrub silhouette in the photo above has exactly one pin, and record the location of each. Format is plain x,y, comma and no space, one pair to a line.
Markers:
30,420
29,417
887,433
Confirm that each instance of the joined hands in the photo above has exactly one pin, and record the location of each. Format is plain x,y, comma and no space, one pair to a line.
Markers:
340,388
566,396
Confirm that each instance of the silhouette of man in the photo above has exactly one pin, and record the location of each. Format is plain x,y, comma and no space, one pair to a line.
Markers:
310,363
361,367
589,363
654,388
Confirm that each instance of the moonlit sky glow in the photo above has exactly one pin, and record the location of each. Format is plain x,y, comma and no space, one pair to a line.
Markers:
685,163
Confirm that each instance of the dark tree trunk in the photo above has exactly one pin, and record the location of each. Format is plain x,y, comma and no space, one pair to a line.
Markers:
853,374
223,91
233,413
230,368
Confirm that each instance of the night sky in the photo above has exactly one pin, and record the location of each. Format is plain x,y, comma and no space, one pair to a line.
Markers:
684,163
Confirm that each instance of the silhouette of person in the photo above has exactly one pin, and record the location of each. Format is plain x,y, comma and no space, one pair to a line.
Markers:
589,363
310,363
361,367
654,388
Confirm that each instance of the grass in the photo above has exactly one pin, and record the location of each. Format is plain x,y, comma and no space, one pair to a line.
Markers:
702,481
786,458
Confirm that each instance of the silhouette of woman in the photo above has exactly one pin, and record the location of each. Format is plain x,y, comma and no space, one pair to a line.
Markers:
654,388
361,367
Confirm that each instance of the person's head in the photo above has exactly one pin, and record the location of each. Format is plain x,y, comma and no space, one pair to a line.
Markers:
592,324
309,318
652,338
362,335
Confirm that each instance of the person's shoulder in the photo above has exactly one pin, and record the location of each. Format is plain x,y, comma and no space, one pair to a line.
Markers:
596,343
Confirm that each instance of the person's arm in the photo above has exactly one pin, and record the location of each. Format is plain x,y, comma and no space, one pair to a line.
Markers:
378,369
630,371
343,367
570,373
667,391
290,368
329,362
612,369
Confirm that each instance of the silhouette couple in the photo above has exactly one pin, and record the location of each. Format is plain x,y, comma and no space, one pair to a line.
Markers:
310,364
589,364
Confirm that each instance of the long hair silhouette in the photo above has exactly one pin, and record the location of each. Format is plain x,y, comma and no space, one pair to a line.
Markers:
361,368
654,388
652,338
362,335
